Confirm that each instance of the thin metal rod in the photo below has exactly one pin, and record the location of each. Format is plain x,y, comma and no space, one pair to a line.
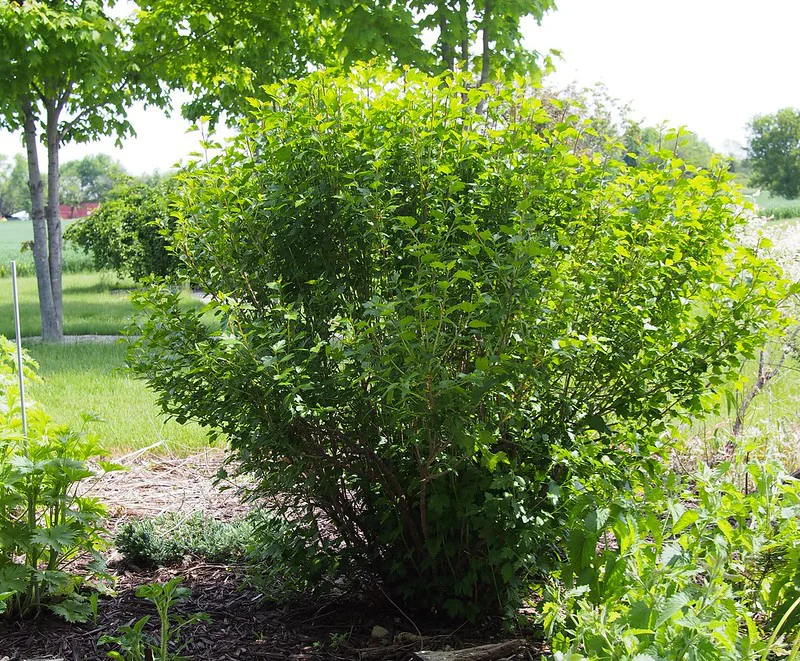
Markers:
18,339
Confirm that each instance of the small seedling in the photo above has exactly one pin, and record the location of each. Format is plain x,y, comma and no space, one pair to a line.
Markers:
137,645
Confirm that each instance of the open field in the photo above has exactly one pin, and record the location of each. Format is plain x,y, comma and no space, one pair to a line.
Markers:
767,200
14,233
94,304
90,378
776,207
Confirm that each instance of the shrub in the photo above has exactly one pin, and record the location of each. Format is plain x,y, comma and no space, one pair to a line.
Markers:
426,311
44,522
167,538
130,232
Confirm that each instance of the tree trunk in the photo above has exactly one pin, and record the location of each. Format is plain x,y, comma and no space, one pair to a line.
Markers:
54,239
464,10
50,330
486,53
446,48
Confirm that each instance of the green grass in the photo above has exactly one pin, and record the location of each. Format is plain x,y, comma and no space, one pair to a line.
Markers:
14,233
767,200
90,378
94,304
777,207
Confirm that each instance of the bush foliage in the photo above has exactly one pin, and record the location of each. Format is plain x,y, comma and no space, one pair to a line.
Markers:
428,314
129,233
700,566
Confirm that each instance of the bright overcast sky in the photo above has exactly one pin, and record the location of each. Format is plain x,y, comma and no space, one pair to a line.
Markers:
707,64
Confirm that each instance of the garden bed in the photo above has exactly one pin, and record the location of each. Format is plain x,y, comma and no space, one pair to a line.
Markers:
243,625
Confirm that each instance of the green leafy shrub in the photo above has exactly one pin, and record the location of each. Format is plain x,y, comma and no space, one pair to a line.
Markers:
169,643
167,538
426,313
284,560
703,566
44,522
129,233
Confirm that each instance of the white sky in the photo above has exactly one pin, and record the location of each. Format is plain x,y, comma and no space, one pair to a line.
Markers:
707,64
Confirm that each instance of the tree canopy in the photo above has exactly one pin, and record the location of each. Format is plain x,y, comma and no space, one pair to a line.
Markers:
71,69
69,75
222,52
773,150
93,177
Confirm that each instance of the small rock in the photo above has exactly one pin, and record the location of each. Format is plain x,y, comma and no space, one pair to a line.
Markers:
380,634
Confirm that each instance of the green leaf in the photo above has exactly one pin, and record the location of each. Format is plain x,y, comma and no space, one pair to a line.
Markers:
58,537
688,518
673,605
73,609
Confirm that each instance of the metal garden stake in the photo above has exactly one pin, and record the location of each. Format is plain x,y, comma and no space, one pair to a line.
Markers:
19,350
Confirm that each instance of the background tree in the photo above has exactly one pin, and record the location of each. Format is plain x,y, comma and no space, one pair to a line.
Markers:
14,194
96,176
71,193
68,76
483,33
224,51
773,150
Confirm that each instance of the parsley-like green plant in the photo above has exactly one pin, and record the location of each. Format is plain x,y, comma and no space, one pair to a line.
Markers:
46,519
425,312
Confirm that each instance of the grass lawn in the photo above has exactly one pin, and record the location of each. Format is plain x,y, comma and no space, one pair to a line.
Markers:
765,200
94,304
90,378
14,233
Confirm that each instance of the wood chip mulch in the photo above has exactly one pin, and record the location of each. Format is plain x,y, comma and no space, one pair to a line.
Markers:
242,626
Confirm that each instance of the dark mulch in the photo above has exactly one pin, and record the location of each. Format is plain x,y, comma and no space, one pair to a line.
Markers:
242,626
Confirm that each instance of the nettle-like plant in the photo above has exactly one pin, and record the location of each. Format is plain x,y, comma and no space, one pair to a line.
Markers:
699,566
424,310
45,520
170,641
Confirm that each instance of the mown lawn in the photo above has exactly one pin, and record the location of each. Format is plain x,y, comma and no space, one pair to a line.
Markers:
94,304
90,378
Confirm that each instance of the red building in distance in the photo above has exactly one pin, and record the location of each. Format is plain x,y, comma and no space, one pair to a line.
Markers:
78,211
